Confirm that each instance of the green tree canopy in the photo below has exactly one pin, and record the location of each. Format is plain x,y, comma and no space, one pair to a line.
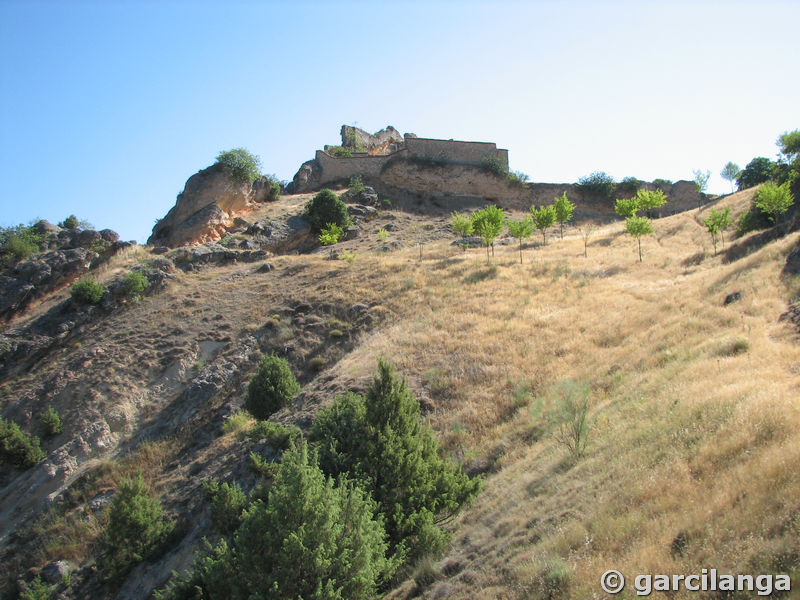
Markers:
599,184
757,171
789,144
774,199
637,227
461,224
488,224
564,210
701,179
650,200
730,172
543,217
312,539
626,207
245,167
521,229
382,441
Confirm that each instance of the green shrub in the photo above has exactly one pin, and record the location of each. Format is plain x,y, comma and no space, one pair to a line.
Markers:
661,183
137,528
278,436
382,441
494,165
134,284
87,291
356,184
17,448
383,235
774,199
272,387
312,538
275,187
325,208
38,590
517,179
237,423
339,152
330,234
18,243
51,423
752,219
597,184
628,185
245,167
227,504
461,224
317,364
71,222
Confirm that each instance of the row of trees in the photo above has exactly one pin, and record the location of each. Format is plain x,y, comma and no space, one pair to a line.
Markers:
488,223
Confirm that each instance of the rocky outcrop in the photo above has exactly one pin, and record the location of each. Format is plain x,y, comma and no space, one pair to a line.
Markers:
72,253
207,206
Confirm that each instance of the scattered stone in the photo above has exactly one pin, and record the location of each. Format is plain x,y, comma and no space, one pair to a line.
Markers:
358,308
469,242
734,297
160,250
390,227
265,268
56,571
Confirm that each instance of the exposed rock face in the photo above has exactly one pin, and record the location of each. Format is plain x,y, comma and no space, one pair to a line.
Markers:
381,142
210,201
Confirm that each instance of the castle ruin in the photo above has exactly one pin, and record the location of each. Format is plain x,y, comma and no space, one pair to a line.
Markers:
367,155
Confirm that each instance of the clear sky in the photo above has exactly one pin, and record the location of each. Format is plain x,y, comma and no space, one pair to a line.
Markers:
107,107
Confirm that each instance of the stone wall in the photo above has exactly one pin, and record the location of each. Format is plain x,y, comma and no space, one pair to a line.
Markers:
333,168
456,151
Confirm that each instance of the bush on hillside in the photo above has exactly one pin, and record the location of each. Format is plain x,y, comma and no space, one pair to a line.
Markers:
137,528
17,449
339,152
381,440
51,423
227,504
324,208
87,291
312,538
272,387
757,171
134,284
18,243
597,184
245,167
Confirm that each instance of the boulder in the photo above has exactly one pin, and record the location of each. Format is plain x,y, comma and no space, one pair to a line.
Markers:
109,235
15,294
205,208
46,228
56,571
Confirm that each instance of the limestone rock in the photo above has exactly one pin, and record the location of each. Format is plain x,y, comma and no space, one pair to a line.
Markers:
208,204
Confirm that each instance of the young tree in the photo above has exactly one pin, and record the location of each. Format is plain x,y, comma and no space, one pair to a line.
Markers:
626,207
564,210
637,227
701,179
488,223
521,229
461,224
543,218
722,219
586,232
713,229
730,172
774,199
650,200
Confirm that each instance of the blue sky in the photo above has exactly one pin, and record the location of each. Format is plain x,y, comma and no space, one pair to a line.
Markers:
106,108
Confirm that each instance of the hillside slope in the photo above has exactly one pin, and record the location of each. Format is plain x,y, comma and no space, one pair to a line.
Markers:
693,447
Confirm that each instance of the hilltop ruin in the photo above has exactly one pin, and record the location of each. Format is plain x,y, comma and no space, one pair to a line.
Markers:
368,155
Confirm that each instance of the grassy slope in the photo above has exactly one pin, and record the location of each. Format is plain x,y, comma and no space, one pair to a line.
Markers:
695,418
